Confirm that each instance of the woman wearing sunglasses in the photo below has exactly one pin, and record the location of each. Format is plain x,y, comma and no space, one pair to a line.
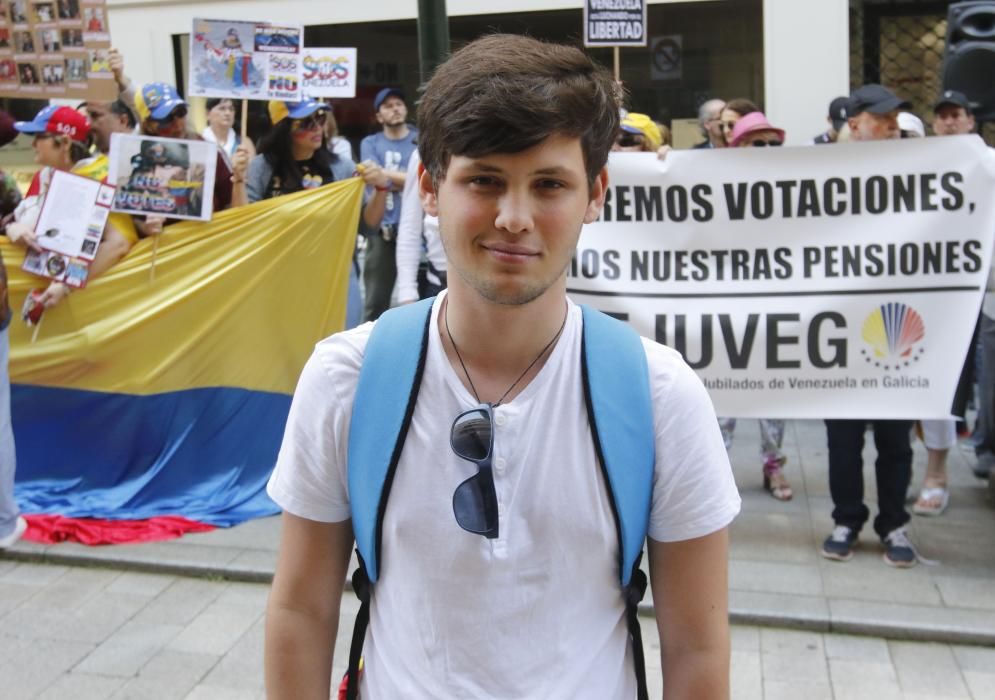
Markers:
294,156
754,130
734,111
62,142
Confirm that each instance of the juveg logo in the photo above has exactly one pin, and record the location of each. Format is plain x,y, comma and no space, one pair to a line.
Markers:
893,331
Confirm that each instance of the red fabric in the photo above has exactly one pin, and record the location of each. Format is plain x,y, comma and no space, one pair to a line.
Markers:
34,189
50,529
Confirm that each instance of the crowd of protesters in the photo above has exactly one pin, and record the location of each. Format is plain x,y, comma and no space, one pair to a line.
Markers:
405,261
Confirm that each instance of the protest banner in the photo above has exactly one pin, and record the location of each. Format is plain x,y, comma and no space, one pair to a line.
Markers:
162,176
69,228
842,282
143,401
329,72
614,22
55,49
245,60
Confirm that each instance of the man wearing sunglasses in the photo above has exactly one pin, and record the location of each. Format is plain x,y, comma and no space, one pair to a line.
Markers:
499,574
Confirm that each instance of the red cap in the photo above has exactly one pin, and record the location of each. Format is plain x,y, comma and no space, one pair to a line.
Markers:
57,120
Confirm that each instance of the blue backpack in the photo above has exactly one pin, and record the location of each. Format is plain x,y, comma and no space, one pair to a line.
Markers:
616,390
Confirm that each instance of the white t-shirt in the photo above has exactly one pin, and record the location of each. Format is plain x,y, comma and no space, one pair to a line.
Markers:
537,612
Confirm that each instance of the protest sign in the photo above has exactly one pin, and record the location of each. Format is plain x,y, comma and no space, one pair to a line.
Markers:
245,60
167,177
329,72
614,22
55,48
802,283
69,228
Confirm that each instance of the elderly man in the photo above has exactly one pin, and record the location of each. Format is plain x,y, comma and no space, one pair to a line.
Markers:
872,115
711,124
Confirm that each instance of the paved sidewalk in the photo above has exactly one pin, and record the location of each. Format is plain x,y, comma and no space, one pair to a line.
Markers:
776,574
103,634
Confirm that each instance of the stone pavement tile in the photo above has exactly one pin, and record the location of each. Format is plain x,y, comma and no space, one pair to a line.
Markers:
13,595
745,638
185,669
129,649
848,671
764,536
73,589
745,676
747,607
778,641
33,574
964,592
238,593
181,602
862,690
217,629
6,566
241,667
867,577
774,577
139,583
974,658
878,618
856,648
81,686
92,622
793,690
255,560
980,684
214,692
795,667
927,669
30,668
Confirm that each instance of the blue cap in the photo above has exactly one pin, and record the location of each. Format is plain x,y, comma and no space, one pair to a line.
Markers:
384,94
278,111
157,101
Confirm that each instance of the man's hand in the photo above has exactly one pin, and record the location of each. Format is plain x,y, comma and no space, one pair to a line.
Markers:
373,174
154,224
116,62
22,234
56,292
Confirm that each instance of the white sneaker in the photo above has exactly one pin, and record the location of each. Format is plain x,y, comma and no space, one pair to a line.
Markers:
19,527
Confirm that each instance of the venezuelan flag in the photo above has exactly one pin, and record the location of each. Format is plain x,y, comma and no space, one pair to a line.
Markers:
164,400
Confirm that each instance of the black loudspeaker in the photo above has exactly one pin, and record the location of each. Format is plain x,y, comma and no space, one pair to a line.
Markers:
969,59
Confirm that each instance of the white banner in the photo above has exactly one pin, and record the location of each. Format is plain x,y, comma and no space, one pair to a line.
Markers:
810,282
329,72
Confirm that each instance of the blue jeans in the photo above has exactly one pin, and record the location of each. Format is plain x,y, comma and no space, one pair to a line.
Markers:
8,506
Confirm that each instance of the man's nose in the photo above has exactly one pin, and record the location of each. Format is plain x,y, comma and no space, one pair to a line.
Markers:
514,213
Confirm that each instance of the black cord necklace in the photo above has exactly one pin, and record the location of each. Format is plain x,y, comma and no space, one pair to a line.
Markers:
445,317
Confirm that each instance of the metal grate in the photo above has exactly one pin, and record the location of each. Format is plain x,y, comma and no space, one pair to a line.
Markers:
900,44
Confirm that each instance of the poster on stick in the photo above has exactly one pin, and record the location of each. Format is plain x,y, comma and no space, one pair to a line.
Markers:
55,49
329,72
245,60
799,282
614,22
69,228
167,177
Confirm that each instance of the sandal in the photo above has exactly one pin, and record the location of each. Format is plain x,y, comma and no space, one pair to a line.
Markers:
775,483
932,501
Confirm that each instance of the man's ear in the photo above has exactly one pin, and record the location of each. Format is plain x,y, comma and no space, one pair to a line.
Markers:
599,189
426,191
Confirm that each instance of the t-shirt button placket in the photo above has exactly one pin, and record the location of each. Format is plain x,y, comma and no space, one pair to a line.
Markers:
499,465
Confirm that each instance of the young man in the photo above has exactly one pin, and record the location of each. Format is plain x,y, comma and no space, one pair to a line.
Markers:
872,115
390,149
514,140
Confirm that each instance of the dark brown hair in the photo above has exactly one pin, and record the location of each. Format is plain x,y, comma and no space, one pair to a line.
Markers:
741,106
505,93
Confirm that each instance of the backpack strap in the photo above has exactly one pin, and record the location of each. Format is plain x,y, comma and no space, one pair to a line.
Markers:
386,394
620,411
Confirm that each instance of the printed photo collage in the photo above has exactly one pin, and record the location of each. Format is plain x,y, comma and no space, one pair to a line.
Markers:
53,48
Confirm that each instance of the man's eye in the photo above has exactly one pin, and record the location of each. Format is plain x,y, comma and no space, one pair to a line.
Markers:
550,184
483,181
